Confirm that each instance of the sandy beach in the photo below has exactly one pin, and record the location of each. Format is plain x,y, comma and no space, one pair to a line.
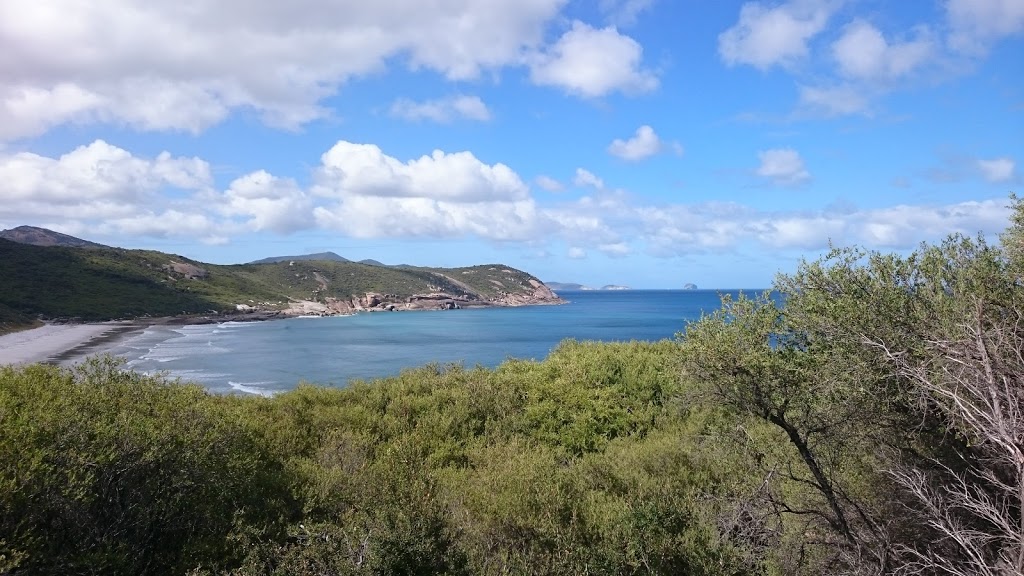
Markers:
59,343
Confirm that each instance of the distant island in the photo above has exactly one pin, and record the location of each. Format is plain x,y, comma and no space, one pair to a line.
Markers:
689,286
56,276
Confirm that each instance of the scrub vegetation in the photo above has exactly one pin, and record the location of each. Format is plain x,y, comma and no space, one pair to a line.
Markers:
868,421
101,283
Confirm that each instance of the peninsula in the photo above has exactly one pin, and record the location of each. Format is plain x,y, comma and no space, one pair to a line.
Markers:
59,277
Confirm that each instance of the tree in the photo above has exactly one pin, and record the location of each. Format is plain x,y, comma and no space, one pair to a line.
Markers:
914,361
751,359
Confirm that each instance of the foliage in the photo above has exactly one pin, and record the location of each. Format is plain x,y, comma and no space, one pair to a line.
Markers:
864,418
108,283
105,471
893,387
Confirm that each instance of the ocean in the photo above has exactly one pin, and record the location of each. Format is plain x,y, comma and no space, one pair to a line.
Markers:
273,356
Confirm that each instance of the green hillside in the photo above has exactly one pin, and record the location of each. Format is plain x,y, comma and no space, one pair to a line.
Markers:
108,283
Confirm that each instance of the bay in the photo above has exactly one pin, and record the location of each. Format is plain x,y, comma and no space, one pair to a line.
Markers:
273,356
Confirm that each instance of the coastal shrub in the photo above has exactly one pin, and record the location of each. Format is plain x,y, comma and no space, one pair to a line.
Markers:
108,471
866,422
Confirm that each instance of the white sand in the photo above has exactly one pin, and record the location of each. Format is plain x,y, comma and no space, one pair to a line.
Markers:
38,344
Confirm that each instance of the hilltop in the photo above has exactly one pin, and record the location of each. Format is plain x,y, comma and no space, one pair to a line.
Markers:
101,283
330,256
43,237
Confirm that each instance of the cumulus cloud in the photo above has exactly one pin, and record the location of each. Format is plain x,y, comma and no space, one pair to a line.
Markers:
593,62
643,144
443,110
351,169
862,52
440,195
155,66
108,190
359,191
767,36
976,24
271,203
783,166
93,174
997,169
587,179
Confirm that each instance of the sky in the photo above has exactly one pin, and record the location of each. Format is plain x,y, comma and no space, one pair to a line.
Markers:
646,143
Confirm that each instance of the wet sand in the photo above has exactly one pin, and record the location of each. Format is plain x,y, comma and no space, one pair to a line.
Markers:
61,343
67,344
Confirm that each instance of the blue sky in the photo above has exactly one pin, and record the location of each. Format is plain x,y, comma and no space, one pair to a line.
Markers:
648,143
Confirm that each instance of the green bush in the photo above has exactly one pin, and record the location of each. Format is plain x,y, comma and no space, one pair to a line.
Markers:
106,471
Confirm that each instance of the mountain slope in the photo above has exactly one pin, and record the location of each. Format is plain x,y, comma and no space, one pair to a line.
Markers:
43,237
105,283
329,256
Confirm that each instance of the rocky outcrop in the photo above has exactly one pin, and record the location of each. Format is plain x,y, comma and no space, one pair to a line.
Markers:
537,293
186,270
541,294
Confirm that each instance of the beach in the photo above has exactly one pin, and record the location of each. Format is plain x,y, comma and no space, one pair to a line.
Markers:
60,343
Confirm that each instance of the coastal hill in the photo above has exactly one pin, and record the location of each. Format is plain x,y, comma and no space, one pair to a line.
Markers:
331,256
101,283
44,237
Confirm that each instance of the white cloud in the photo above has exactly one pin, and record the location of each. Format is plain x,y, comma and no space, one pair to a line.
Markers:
976,24
593,62
548,183
687,229
96,173
164,224
361,192
842,100
862,52
351,169
107,190
389,217
624,12
585,178
777,35
783,166
643,144
440,195
997,169
443,110
275,204
157,66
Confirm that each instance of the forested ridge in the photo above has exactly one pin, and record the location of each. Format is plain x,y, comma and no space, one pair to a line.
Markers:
866,420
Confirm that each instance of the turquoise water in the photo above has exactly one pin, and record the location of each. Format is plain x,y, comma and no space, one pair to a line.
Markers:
266,357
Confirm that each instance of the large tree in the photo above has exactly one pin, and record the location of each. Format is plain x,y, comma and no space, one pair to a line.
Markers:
896,383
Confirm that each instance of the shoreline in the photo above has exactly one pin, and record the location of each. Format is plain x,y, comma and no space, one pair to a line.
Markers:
57,343
66,344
